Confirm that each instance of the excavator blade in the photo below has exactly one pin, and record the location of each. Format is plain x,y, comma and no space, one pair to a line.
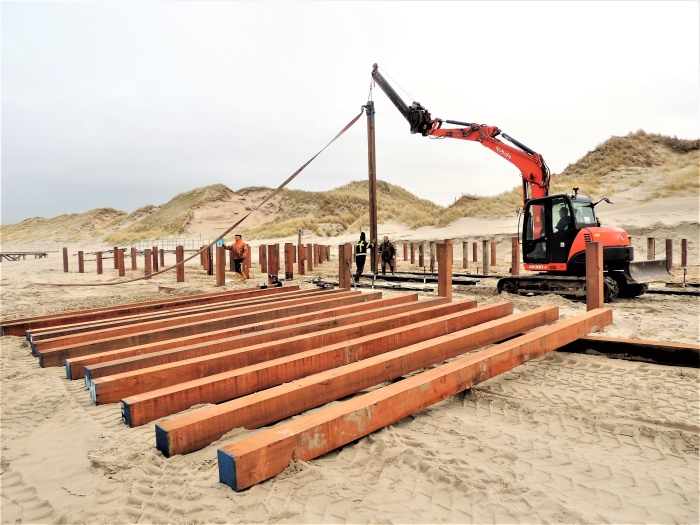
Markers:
647,271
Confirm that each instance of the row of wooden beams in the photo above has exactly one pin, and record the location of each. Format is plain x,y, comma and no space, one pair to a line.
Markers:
112,388
232,383
145,342
119,361
20,326
75,328
252,460
411,351
192,323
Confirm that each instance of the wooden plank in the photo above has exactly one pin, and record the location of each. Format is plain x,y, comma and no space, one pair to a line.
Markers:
128,320
194,327
252,460
660,352
191,431
595,295
444,254
118,361
109,338
223,386
20,326
112,388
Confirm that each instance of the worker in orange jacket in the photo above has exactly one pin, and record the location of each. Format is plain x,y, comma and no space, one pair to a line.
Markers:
240,253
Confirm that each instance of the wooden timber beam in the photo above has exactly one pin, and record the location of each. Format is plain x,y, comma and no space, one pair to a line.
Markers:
194,322
226,385
197,429
252,460
112,388
124,360
20,326
76,328
219,327
661,352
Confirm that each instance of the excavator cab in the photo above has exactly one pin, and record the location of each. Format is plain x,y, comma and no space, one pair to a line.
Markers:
551,226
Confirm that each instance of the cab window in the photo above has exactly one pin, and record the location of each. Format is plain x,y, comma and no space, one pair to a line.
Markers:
584,214
536,226
561,216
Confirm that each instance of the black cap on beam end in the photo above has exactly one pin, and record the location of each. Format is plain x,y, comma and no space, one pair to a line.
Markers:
126,414
68,374
227,469
162,442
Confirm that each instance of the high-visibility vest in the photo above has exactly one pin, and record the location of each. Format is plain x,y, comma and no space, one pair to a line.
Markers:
361,248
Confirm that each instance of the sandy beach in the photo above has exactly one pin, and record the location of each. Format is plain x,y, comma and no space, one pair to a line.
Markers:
564,438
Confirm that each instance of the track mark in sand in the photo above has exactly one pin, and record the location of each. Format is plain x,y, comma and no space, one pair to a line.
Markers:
20,503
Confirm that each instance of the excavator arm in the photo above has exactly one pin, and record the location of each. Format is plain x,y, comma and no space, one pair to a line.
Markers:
532,166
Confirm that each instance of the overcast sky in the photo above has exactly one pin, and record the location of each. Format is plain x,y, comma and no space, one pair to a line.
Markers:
124,104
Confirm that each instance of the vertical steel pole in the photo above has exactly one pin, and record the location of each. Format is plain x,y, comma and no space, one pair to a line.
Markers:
372,167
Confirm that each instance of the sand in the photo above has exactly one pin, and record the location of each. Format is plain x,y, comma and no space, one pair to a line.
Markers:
563,438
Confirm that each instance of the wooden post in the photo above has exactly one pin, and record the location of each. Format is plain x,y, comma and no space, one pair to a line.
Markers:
210,260
595,294
669,253
300,258
474,251
309,257
161,255
147,263
465,254
220,266
116,257
684,253
328,253
372,169
154,254
432,257
485,256
262,257
289,260
134,266
421,261
273,259
122,269
315,248
651,248
98,256
515,257
248,261
179,258
201,257
65,260
81,262
413,254
444,255
493,253
344,261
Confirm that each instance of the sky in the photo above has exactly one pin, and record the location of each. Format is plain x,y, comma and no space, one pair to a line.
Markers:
124,104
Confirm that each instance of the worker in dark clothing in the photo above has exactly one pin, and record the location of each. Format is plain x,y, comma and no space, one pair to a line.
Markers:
564,220
360,256
387,253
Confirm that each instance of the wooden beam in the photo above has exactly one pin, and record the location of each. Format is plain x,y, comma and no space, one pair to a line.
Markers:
494,258
98,258
485,257
651,248
81,262
661,352
122,268
233,382
134,259
129,321
684,253
412,351
515,257
110,388
128,359
191,326
669,254
465,254
344,262
300,259
65,269
220,266
254,459
148,267
288,260
20,326
179,260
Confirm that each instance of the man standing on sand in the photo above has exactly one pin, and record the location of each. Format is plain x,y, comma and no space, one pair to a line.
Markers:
240,252
360,256
387,253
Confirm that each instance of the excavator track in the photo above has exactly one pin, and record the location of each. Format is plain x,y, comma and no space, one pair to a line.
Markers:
569,285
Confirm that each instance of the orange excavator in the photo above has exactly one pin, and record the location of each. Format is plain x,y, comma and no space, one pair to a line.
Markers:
555,228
